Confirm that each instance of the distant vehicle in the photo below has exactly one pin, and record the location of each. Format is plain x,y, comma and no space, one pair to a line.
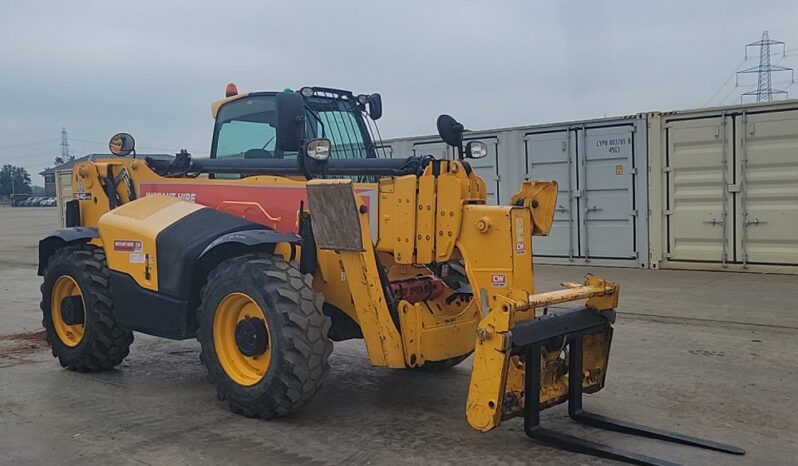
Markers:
18,199
40,201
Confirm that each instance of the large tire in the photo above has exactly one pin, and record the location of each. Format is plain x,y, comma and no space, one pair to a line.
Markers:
98,343
283,375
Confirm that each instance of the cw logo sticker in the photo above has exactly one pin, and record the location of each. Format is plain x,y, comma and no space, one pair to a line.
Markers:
498,280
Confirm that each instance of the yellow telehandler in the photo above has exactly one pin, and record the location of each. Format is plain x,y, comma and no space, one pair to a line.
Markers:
296,233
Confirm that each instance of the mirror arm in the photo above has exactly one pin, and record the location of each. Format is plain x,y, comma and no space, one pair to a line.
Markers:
316,117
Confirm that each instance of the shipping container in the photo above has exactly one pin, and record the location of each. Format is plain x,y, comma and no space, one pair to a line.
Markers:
724,188
63,193
601,168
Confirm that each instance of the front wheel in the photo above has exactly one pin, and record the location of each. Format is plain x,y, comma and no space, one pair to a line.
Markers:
263,335
77,311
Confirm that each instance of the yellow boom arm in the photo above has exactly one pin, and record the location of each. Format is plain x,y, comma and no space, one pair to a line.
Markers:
438,217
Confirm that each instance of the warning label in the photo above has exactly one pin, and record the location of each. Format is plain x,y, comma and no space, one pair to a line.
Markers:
127,245
137,258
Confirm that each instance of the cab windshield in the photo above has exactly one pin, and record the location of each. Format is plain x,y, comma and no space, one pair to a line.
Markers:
247,128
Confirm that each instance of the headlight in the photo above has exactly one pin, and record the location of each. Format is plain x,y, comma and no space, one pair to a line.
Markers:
476,150
307,91
319,149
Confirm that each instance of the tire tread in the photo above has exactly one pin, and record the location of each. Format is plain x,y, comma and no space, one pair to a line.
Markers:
304,364
108,344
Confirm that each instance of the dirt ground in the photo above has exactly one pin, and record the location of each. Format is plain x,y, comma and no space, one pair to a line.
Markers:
706,353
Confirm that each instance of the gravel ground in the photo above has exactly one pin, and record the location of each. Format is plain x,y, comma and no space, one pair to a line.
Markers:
706,353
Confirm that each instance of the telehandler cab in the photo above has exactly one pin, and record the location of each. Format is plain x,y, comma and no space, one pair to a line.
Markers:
295,233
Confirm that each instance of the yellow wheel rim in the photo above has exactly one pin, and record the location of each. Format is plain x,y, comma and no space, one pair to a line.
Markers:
231,311
64,287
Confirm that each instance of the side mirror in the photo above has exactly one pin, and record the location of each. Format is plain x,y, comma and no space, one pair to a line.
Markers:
450,131
319,149
122,144
375,106
476,150
290,121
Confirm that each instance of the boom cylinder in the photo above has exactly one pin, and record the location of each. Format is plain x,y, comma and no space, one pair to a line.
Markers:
291,167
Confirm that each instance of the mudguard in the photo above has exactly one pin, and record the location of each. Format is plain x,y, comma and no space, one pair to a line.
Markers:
249,238
60,238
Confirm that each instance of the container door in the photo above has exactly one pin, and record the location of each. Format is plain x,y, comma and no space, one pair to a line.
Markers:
439,149
63,193
487,168
551,156
767,173
607,193
698,171
384,151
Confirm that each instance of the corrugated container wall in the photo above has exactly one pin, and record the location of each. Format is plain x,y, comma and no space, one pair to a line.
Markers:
63,193
724,188
601,168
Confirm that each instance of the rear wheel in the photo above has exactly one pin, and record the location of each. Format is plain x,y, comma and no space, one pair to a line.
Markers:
77,311
263,335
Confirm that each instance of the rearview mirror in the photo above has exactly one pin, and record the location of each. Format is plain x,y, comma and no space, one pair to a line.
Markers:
476,150
375,106
122,144
290,121
450,131
319,149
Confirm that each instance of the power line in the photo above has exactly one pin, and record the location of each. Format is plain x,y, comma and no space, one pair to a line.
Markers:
785,27
146,148
733,74
28,144
26,156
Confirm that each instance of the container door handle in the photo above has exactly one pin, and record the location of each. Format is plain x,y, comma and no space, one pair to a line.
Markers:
753,222
714,222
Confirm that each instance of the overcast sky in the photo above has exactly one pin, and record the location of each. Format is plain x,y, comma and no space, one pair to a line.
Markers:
152,68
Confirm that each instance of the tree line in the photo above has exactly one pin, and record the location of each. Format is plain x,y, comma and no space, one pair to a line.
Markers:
14,180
